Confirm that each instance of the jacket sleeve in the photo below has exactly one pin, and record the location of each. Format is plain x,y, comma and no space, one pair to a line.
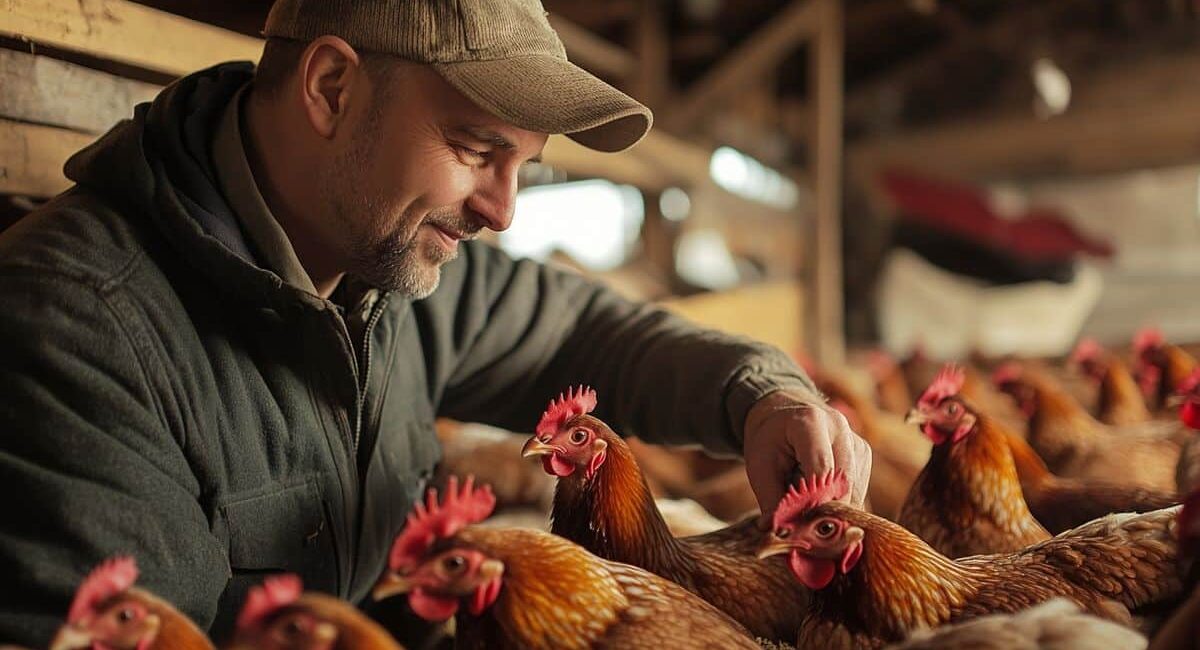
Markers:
522,332
88,469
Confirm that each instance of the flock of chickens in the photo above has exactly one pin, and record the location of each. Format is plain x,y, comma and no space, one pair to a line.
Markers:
1019,519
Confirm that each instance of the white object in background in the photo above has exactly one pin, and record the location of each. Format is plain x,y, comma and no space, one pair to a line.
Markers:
703,258
951,315
595,222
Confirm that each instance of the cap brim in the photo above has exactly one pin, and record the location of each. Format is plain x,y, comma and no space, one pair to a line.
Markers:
549,95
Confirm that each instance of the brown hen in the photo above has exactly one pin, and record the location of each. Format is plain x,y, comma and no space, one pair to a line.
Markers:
603,504
1119,401
874,582
1160,368
529,590
278,615
968,499
109,613
1075,444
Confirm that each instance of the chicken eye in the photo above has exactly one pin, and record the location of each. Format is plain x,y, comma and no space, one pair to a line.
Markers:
952,408
579,436
454,564
826,528
125,615
293,628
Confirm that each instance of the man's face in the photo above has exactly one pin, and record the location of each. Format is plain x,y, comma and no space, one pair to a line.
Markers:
419,167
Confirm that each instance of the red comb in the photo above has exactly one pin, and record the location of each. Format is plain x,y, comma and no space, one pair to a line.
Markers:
573,403
810,493
1147,338
1087,351
1190,384
947,383
1007,372
275,593
108,579
429,521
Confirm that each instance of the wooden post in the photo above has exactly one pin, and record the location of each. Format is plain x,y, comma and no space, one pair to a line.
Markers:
651,84
826,93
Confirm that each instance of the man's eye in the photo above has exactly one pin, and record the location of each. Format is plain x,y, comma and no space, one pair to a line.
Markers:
469,152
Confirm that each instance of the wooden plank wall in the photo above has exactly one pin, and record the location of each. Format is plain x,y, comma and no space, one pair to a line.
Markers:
51,102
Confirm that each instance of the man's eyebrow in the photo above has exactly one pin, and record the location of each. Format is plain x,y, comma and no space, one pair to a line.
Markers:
494,138
489,136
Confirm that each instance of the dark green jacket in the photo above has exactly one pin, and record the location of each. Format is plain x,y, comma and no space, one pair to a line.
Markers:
162,395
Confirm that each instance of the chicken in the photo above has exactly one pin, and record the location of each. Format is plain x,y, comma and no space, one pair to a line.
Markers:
968,499
531,590
1187,472
109,613
1119,400
1160,368
1182,629
603,504
875,583
897,455
1073,443
1054,625
1061,503
891,390
279,616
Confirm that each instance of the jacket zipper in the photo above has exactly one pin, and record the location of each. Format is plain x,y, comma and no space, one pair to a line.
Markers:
365,378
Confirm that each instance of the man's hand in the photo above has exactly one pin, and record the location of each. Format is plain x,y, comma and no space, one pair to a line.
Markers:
783,431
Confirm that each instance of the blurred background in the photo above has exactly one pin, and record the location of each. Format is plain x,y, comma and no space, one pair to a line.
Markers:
956,175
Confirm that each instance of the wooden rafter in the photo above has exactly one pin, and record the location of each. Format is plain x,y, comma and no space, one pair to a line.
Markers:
597,54
125,31
760,52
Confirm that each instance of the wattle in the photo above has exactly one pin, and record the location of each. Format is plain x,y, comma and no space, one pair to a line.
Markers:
430,607
1190,414
935,436
557,465
813,573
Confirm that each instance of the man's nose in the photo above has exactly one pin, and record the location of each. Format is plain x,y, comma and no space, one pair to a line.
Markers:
495,200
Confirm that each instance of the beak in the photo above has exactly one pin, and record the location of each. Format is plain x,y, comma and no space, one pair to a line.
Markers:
916,417
392,584
325,632
534,447
774,546
70,637
1175,401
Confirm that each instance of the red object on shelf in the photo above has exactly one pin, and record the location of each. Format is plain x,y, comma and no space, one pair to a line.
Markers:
1040,234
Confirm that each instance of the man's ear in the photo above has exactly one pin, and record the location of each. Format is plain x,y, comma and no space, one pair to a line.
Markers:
329,70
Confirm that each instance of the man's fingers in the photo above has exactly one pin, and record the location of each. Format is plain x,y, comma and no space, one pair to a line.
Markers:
768,471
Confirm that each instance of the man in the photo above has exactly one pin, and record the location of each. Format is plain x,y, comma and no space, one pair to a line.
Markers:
226,346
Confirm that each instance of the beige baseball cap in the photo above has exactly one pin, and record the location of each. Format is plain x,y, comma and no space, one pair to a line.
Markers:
502,54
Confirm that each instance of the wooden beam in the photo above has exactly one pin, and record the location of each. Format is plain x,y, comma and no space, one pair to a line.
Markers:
32,156
127,32
46,91
1092,142
623,167
826,88
598,55
746,64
